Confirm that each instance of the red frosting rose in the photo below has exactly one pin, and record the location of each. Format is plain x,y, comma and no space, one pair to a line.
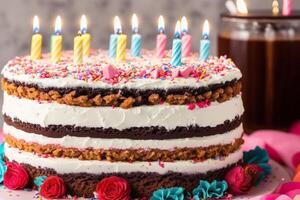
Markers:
238,180
16,176
53,187
113,188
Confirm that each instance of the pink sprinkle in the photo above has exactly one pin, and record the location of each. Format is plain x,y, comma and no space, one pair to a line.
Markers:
191,106
175,72
143,72
110,72
45,156
161,164
155,73
203,104
185,72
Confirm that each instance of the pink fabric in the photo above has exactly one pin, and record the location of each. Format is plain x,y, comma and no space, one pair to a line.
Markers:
295,129
284,148
281,146
286,191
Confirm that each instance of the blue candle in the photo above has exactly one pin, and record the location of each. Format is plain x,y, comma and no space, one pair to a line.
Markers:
176,48
205,43
136,39
113,40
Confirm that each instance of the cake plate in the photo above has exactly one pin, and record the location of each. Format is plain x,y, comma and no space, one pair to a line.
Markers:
278,176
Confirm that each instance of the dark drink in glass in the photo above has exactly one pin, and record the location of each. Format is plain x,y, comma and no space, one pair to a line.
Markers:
267,50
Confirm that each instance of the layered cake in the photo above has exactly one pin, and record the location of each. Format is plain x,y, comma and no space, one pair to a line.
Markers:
153,125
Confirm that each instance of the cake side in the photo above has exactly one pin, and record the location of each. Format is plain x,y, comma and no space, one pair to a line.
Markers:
143,120
140,81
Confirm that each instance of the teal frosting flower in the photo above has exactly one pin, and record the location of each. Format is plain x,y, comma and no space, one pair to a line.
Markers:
3,169
174,193
259,157
38,181
215,189
2,151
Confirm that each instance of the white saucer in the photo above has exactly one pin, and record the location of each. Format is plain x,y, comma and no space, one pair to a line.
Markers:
278,176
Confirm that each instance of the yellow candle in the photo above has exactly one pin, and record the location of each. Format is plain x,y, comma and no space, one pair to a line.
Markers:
275,7
121,42
78,49
242,7
86,44
56,42
86,37
121,47
36,41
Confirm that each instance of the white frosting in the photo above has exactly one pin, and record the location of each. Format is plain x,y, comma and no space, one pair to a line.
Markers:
135,84
168,116
98,143
63,165
66,74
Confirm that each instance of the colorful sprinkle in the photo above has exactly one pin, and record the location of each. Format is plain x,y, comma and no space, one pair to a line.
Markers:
98,67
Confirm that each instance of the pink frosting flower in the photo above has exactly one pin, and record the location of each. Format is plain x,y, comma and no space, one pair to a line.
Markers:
16,176
239,182
186,71
110,72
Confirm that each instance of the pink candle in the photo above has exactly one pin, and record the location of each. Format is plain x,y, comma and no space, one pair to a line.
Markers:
186,39
287,7
161,39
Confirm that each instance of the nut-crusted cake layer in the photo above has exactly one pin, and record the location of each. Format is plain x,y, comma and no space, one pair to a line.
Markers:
127,155
125,98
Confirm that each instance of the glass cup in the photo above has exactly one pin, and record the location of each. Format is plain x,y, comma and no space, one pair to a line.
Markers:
267,50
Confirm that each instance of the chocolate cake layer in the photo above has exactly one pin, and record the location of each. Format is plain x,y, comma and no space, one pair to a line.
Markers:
127,155
142,184
123,97
137,133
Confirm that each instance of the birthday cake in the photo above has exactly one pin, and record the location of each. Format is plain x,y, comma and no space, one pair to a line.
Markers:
143,121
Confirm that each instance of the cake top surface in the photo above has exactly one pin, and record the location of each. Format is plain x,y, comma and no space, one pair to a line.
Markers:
99,71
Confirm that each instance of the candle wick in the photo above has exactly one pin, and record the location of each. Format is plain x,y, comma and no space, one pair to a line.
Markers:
177,35
57,33
79,33
184,32
83,31
161,30
119,31
135,30
205,36
35,30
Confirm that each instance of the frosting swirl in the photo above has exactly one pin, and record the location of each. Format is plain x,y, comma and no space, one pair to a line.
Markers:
16,176
113,188
53,187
